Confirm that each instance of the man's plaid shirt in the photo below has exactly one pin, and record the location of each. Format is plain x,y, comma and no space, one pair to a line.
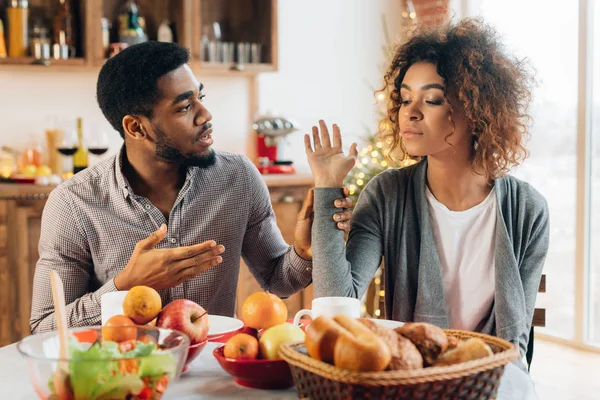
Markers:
92,222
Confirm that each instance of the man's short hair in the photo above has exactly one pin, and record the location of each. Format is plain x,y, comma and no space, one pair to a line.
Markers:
127,83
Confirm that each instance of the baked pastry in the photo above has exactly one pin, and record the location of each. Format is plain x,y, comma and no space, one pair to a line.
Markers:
429,339
361,350
405,354
321,335
454,342
347,343
470,349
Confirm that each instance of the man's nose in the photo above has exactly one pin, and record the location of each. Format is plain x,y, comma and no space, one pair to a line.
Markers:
203,115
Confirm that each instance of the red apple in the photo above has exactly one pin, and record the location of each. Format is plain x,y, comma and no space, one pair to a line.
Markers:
187,317
249,331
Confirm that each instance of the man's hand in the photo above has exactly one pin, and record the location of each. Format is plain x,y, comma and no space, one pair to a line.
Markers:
166,268
302,233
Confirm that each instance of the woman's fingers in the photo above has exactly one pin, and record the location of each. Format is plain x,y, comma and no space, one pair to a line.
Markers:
316,139
353,152
325,140
307,144
337,137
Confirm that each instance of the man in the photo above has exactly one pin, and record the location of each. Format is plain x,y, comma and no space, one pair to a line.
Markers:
192,211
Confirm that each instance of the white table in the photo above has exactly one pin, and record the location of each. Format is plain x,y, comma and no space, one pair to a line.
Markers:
205,379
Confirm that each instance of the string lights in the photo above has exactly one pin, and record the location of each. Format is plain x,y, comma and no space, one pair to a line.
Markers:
371,161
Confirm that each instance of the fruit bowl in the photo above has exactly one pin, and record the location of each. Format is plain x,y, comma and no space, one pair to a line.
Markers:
258,374
193,352
143,366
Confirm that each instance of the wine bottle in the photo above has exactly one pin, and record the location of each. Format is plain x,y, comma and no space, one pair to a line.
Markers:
80,158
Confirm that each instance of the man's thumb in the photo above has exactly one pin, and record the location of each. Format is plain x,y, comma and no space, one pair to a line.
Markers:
154,238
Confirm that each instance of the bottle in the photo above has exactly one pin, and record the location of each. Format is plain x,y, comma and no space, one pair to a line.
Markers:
165,34
63,24
17,16
80,158
2,41
64,38
131,25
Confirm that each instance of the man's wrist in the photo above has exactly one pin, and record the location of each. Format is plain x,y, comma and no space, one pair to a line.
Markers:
121,281
303,253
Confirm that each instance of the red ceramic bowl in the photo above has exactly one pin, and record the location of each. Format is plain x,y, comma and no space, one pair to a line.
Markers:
258,374
193,352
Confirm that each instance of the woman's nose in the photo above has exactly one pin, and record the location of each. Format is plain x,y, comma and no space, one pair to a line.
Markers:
413,112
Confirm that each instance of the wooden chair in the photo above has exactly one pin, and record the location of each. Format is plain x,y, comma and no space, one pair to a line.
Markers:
539,319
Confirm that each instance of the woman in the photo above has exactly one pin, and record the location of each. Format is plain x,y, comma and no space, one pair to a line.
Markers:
464,243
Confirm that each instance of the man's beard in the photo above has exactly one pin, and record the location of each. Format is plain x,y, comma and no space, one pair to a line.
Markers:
166,151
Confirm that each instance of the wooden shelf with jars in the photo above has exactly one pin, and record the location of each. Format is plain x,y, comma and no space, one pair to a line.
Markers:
225,37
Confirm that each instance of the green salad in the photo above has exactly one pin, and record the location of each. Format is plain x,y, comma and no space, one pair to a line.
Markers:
110,370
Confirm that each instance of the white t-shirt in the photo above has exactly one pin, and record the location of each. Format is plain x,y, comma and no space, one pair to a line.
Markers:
465,242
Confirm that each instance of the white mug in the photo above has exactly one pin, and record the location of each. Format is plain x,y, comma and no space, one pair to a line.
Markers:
331,306
111,304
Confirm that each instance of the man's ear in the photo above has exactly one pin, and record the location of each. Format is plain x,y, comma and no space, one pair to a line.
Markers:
133,128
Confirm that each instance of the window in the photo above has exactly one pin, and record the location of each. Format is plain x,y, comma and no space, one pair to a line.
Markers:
594,287
551,46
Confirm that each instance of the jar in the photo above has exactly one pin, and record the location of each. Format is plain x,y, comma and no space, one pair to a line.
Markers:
8,164
17,15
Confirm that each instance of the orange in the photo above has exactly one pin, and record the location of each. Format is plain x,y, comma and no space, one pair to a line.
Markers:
241,347
262,310
118,329
142,304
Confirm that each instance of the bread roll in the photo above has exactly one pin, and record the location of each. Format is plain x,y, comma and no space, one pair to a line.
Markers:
361,350
404,353
453,342
321,336
429,339
471,349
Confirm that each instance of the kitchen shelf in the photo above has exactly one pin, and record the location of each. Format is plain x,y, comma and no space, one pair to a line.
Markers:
30,61
250,21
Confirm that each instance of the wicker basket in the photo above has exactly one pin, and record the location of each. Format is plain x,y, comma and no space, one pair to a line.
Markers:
471,380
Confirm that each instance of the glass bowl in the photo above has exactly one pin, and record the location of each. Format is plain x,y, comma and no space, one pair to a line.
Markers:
143,364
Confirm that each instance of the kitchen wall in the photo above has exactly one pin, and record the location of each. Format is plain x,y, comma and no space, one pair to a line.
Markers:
330,55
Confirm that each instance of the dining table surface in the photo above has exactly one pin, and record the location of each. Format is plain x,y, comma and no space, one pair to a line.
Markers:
205,379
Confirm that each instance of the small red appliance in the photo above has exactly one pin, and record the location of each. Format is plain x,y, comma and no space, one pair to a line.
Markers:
269,132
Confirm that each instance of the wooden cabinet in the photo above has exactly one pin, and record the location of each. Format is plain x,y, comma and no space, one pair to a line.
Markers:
287,195
239,21
20,220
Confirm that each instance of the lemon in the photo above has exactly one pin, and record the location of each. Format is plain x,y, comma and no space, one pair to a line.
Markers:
44,170
29,170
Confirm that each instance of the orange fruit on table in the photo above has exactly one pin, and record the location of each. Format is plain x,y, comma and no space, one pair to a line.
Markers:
262,310
241,347
142,304
118,329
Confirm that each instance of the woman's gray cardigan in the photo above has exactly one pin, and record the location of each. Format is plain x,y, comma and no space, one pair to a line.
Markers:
391,219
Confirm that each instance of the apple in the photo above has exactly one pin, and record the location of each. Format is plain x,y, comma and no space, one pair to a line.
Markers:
249,331
185,316
275,336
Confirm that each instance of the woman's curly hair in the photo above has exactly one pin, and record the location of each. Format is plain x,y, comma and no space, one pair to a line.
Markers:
492,88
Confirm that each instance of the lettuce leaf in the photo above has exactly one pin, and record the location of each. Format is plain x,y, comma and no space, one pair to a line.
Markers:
158,364
93,376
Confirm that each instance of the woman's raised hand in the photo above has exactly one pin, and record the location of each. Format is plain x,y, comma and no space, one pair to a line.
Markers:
328,163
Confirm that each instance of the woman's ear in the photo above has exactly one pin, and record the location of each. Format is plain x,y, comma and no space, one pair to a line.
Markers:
133,128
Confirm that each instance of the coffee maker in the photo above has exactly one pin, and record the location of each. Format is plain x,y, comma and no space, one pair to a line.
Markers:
269,131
